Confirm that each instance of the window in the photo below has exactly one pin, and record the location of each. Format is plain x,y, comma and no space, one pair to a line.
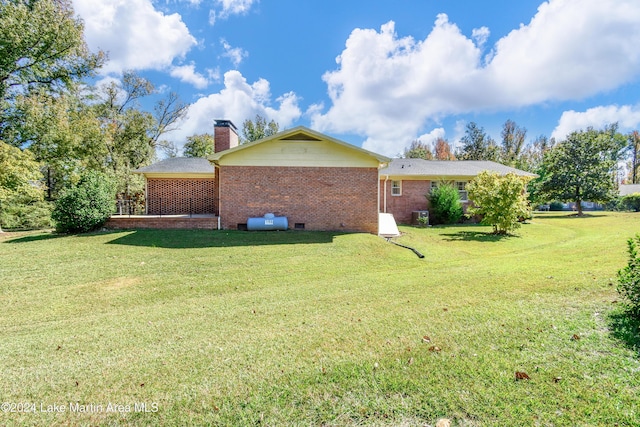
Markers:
462,190
396,188
434,185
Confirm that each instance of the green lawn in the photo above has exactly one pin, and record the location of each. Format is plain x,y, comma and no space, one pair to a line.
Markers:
303,328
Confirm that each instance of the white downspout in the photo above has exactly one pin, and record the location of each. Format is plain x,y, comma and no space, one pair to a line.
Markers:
386,178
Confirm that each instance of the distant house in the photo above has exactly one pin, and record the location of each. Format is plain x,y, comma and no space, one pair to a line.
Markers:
406,182
626,189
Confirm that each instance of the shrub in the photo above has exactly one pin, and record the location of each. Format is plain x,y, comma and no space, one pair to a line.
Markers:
445,206
556,206
631,202
629,278
26,216
85,206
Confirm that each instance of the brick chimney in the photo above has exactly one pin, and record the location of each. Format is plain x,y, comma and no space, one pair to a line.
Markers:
225,135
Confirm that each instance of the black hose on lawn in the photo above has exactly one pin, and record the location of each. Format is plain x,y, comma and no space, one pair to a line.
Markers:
415,251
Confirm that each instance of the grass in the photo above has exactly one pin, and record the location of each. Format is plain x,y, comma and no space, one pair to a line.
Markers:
302,328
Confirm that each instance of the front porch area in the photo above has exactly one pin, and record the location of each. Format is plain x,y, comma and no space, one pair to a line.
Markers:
201,221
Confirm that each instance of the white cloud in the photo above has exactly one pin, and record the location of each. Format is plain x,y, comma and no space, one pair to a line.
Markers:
387,88
188,74
237,101
134,33
627,117
235,7
235,54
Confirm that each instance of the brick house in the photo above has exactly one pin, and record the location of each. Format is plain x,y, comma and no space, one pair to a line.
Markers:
317,182
406,182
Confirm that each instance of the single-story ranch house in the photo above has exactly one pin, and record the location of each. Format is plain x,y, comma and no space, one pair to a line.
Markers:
315,181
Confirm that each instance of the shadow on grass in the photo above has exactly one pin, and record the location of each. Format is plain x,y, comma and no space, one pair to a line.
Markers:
566,215
476,236
34,238
219,238
626,329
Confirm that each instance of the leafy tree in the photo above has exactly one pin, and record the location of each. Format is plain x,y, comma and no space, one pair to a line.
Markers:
500,200
629,278
476,145
20,177
442,150
418,150
583,167
130,136
85,206
258,129
513,138
634,148
444,204
41,47
199,145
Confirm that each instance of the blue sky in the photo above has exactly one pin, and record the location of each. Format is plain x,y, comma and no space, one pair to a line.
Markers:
380,74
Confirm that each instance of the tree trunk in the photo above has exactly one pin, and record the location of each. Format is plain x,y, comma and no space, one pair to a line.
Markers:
579,207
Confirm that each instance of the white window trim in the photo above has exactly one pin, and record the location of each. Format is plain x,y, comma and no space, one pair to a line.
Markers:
399,188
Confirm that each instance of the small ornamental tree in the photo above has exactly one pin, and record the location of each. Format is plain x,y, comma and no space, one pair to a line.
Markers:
629,278
85,206
445,206
500,200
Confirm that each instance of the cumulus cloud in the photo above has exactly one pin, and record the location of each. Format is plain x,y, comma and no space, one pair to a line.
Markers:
388,88
238,100
627,117
134,33
235,54
227,8
188,74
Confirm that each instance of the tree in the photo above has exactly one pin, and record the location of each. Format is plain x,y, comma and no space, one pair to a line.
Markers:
418,150
444,204
41,48
631,202
442,150
258,129
634,148
130,136
20,177
85,206
500,200
199,145
513,138
476,145
583,168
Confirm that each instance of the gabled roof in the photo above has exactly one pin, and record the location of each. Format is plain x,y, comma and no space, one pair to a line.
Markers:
299,133
444,168
179,166
626,189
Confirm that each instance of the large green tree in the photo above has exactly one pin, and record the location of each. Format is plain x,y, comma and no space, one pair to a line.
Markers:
418,150
477,145
583,167
253,130
20,176
199,145
634,161
41,48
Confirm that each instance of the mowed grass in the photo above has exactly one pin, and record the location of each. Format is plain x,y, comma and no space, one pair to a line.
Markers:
303,328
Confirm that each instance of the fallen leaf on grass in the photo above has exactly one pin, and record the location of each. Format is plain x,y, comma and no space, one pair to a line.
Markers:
434,348
557,379
575,337
522,376
426,339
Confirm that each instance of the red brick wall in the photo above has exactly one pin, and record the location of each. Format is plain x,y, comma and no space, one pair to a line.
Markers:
174,196
125,222
321,198
412,199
